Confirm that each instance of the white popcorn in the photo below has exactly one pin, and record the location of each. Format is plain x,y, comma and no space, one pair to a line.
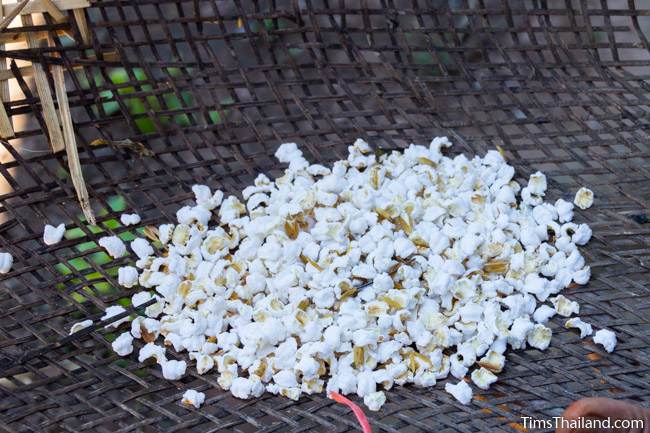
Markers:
123,345
80,325
140,298
543,314
173,370
540,337
519,331
582,235
114,311
150,350
113,246
584,198
377,272
204,363
537,183
564,306
577,323
141,248
192,397
606,338
205,198
461,391
582,276
483,378
6,261
493,361
127,276
130,219
375,400
564,210
246,387
165,232
53,235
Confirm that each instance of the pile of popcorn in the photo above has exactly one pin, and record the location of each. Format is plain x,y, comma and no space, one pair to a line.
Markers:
379,271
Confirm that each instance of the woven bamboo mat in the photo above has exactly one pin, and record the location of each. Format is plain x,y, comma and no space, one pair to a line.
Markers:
206,90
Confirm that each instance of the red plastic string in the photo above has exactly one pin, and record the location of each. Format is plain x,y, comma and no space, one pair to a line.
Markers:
358,412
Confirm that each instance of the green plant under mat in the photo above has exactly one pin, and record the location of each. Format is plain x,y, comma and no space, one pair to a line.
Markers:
141,108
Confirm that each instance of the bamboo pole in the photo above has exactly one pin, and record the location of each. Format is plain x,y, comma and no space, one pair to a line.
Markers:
6,128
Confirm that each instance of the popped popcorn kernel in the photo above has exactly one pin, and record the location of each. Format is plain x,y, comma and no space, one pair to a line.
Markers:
605,338
379,271
584,198
194,398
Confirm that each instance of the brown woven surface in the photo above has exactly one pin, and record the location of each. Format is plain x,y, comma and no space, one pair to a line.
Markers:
560,85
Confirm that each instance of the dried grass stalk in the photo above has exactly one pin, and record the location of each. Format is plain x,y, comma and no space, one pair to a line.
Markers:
43,88
71,145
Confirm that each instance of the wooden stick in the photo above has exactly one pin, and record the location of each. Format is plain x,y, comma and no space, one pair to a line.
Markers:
13,13
37,6
43,89
82,24
54,11
71,145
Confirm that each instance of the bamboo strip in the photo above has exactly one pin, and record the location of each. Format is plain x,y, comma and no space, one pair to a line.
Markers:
12,38
43,88
6,74
54,11
12,13
6,130
82,24
71,145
